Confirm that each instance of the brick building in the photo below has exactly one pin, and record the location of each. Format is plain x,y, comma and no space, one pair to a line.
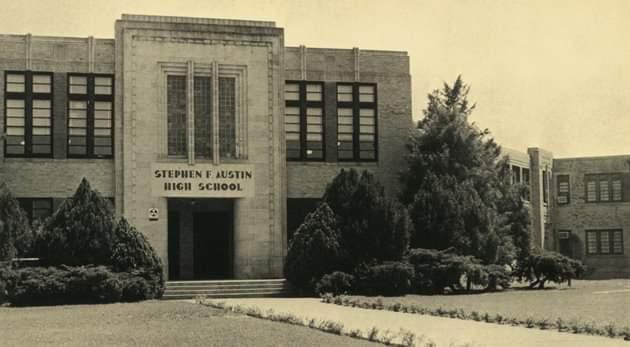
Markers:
214,139
207,134
580,207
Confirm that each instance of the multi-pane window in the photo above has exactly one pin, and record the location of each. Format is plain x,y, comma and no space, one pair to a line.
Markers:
90,115
36,208
227,117
356,122
28,114
304,120
516,174
604,242
603,187
564,194
525,176
203,117
176,115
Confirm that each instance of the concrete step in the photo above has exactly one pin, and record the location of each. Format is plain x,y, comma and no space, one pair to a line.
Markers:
226,289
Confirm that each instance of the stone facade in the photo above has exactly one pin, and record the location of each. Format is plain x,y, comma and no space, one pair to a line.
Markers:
145,52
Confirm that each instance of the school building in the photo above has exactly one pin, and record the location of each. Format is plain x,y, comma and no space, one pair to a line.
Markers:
214,140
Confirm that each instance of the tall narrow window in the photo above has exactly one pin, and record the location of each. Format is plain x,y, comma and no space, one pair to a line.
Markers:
90,116
563,193
227,117
203,117
516,174
28,114
356,122
304,120
176,115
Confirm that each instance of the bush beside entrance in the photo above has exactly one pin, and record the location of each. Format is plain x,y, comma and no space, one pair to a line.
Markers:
87,256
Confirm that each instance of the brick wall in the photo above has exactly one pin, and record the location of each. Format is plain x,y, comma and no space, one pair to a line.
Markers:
56,177
390,72
579,215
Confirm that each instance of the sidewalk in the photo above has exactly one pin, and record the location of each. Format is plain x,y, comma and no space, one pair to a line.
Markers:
442,331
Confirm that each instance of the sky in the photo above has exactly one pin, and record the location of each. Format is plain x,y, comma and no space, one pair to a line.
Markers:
550,74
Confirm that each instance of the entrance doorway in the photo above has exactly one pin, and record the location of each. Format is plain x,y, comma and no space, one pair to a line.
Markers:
213,245
200,239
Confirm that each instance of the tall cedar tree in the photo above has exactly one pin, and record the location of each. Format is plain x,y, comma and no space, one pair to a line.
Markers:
455,181
371,226
15,233
80,231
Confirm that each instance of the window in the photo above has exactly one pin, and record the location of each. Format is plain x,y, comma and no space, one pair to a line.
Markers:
304,120
203,118
516,174
603,242
176,115
525,176
565,246
36,208
603,187
90,116
227,117
356,122
28,114
563,189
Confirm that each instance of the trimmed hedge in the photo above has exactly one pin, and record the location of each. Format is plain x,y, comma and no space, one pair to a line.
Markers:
390,279
546,266
335,283
77,285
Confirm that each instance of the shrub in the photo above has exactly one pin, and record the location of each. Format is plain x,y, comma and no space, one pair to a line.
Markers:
371,226
65,285
7,281
131,249
436,270
314,249
335,283
80,231
392,278
80,284
15,234
546,266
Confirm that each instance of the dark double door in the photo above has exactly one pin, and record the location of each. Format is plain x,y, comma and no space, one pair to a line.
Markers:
212,245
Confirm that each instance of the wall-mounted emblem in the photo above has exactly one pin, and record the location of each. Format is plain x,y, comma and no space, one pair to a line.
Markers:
154,213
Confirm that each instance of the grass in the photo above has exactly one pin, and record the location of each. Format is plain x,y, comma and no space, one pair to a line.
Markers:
153,323
591,307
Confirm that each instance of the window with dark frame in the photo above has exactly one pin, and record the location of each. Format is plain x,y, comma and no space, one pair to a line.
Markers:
227,117
203,117
90,116
36,208
516,174
304,120
606,187
604,242
356,122
563,192
28,114
176,115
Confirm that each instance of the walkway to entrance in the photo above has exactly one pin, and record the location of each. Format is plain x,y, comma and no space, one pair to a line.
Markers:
442,331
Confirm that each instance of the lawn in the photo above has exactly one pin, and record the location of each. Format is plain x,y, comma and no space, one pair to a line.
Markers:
153,323
600,301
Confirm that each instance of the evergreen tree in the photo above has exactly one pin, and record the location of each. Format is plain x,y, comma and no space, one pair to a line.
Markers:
456,183
131,250
371,226
80,231
314,249
15,234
